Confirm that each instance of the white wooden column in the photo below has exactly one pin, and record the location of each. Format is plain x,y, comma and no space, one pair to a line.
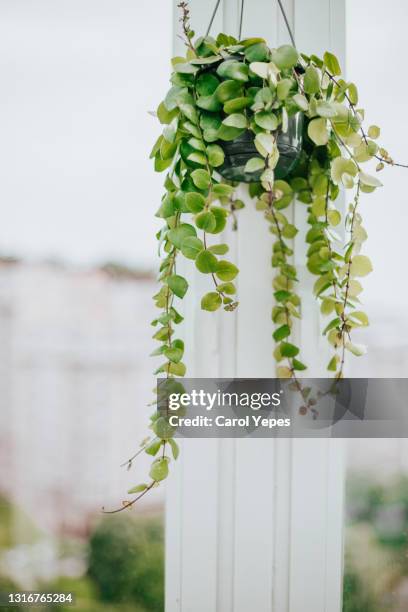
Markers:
256,524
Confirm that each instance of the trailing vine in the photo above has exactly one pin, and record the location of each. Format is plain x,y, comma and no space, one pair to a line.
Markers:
221,90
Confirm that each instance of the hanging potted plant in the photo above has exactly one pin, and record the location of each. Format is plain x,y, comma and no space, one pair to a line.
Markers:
288,124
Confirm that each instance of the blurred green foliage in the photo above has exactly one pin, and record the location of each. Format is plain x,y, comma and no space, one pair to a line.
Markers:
376,550
126,561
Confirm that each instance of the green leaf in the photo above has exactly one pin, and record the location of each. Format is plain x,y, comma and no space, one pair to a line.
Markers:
159,469
219,249
311,80
317,131
261,69
332,325
228,90
226,271
178,285
374,131
206,262
340,166
288,350
332,63
228,288
198,158
177,369
164,116
255,164
353,94
357,349
189,111
220,215
206,84
266,120
174,448
201,179
334,217
289,231
153,448
236,120
258,52
298,365
285,57
370,181
325,109
301,102
282,295
173,354
228,133
137,489
360,266
233,106
332,366
206,221
222,190
283,372
202,61
265,144
163,429
191,247
281,333
283,88
216,155
186,68
232,69
209,103
195,202
211,301
180,233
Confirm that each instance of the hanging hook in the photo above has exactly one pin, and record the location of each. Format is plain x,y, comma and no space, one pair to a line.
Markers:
241,20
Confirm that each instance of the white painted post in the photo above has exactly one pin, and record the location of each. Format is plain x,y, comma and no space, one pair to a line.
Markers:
256,524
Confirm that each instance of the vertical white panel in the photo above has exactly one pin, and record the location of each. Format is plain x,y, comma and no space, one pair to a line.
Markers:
247,520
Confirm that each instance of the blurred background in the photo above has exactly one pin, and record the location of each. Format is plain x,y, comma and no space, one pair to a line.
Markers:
77,263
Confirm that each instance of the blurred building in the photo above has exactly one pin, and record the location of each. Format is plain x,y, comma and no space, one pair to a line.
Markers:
75,381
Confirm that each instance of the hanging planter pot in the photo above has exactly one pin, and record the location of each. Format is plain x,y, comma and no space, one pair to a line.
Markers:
242,149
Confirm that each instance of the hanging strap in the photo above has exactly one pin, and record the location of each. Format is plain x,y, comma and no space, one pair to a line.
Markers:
241,19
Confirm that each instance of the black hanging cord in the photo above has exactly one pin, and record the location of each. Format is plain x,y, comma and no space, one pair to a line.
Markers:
241,19
292,38
213,17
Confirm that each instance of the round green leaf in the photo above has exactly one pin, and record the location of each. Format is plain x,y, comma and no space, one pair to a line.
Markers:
206,262
317,131
266,120
360,266
159,469
206,221
216,155
201,179
211,301
178,285
178,234
285,57
227,91
226,271
236,120
191,247
311,80
233,106
195,202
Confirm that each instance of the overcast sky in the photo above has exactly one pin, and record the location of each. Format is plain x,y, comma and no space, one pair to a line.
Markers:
77,79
